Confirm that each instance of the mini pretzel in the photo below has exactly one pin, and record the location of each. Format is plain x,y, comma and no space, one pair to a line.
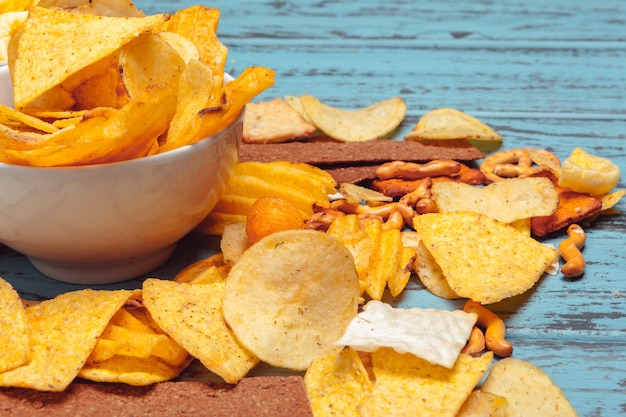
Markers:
515,163
570,251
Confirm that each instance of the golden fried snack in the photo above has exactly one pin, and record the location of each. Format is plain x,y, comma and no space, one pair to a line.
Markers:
272,214
570,250
516,163
494,328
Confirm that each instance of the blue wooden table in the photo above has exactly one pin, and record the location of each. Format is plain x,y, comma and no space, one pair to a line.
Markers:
543,74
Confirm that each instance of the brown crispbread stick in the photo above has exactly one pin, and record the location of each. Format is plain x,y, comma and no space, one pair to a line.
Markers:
359,153
273,396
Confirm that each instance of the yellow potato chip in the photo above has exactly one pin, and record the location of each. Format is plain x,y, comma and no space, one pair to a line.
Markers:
410,386
192,315
447,123
373,122
10,22
296,104
211,269
133,350
234,242
274,121
483,404
94,7
67,31
9,115
335,383
185,47
481,258
291,295
60,346
506,201
529,391
14,330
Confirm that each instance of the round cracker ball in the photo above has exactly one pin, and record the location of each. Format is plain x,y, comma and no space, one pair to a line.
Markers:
272,214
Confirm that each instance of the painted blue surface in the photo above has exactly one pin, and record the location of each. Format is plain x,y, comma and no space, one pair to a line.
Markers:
544,74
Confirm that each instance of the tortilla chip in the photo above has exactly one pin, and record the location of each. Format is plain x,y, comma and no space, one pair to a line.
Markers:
81,34
14,335
481,258
410,386
60,346
192,315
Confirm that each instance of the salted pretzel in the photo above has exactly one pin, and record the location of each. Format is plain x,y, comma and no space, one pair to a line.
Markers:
517,163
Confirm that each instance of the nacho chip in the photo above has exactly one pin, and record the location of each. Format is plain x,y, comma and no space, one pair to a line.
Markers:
192,315
290,296
274,121
373,122
410,386
506,201
14,331
335,383
447,124
431,275
481,258
529,391
68,32
60,346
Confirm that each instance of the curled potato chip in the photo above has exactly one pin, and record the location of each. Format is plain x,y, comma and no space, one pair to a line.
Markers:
446,123
360,125
290,296
506,201
529,391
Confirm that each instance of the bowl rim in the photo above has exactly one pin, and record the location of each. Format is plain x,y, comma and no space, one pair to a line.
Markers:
156,158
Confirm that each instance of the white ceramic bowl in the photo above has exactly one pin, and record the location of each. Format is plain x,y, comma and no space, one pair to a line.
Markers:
109,223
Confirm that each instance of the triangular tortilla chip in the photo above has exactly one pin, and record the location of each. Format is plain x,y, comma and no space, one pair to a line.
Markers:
13,329
481,258
446,123
37,68
63,332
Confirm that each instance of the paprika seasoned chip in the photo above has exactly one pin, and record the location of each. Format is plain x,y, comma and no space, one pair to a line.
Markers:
192,315
410,386
529,391
14,337
60,346
290,296
481,258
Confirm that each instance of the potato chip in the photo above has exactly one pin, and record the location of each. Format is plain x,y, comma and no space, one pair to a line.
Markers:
14,329
10,22
185,47
373,122
60,346
529,391
410,386
133,350
69,32
122,8
483,404
447,123
435,335
380,257
362,195
9,115
506,201
192,315
213,268
274,121
290,296
303,185
234,242
335,383
296,104
481,258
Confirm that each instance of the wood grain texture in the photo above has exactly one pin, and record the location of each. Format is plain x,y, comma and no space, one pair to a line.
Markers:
543,74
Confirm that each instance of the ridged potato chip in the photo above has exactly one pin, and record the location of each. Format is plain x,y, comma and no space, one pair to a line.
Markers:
481,258
529,391
373,122
290,296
